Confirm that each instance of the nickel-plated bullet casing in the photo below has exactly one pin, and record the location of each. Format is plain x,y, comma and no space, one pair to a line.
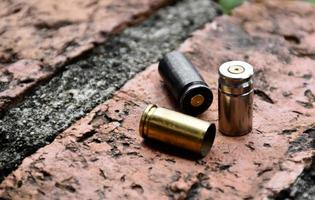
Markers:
185,83
235,98
177,129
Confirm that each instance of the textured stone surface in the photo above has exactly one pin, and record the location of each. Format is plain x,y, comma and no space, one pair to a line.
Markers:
103,156
53,31
39,36
90,81
304,187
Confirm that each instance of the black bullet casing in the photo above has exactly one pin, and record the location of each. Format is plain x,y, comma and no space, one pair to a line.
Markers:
185,83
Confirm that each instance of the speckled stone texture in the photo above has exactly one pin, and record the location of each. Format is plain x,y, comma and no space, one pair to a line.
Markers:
81,86
103,156
38,36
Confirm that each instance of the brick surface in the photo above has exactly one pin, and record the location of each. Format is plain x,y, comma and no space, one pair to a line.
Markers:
37,37
81,86
102,155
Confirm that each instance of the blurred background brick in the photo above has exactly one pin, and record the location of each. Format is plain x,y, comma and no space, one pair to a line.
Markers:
37,37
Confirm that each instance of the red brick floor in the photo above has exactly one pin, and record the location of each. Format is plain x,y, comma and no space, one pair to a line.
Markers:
39,36
103,156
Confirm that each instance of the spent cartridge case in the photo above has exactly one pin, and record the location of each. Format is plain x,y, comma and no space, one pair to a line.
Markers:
177,129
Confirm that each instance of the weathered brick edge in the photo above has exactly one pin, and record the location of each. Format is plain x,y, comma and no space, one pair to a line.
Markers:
102,155
57,37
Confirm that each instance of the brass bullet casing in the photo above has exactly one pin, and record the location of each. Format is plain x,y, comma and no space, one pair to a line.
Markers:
235,98
177,129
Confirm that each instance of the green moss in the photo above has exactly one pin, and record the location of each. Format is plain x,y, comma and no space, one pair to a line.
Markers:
311,1
228,5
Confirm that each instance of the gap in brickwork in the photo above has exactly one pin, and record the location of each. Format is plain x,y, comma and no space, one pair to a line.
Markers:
303,188
81,86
